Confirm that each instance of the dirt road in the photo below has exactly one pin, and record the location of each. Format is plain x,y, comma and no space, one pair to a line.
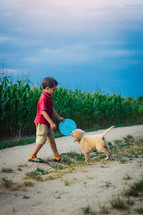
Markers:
90,185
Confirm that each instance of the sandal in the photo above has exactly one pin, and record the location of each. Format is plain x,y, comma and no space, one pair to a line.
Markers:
35,159
57,158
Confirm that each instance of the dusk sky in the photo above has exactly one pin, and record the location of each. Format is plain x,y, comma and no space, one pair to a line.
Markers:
89,45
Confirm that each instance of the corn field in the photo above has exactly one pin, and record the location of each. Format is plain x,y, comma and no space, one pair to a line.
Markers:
18,107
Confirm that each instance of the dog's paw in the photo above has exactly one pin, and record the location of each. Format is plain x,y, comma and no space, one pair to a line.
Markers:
107,158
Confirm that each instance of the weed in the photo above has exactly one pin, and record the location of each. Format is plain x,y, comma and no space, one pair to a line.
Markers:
102,208
6,182
88,177
7,170
33,176
36,174
139,210
19,169
57,166
50,177
127,177
118,203
20,166
26,197
102,166
42,171
74,157
108,184
123,161
127,150
67,183
129,201
88,211
118,142
128,139
134,189
103,162
28,184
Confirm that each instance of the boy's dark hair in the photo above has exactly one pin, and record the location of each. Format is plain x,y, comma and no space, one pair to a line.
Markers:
49,82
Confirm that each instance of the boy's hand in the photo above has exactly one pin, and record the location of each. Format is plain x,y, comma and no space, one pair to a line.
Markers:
53,126
61,119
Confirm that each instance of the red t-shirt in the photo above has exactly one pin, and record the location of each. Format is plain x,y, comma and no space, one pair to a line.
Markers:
45,103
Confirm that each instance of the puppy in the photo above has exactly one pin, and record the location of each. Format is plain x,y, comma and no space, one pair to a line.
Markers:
89,143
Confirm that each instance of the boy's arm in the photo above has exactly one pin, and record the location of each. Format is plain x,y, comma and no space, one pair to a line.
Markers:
46,116
57,115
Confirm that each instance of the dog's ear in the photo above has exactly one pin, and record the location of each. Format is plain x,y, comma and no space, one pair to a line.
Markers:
78,136
77,139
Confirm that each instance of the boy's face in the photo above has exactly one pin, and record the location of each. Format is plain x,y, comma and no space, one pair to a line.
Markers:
50,90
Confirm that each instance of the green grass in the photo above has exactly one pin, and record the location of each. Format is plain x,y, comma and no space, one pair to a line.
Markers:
36,174
139,210
74,157
126,149
108,184
57,166
118,203
88,211
7,170
6,182
16,142
21,141
135,189
68,183
121,205
28,184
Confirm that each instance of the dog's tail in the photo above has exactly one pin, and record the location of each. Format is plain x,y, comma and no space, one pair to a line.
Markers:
107,131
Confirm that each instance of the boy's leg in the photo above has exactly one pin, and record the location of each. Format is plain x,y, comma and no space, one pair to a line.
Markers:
51,139
36,149
41,137
54,149
33,157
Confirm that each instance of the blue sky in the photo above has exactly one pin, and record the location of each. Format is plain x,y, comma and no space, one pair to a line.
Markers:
89,45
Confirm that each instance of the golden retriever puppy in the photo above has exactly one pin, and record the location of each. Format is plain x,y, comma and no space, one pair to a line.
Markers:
89,143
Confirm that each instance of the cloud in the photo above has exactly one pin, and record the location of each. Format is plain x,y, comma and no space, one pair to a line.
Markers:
80,53
4,38
66,16
58,57
33,59
8,71
121,53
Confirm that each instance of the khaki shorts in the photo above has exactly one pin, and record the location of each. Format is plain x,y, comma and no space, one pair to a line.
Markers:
44,134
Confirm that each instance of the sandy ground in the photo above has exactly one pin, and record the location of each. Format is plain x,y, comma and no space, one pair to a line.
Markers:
87,185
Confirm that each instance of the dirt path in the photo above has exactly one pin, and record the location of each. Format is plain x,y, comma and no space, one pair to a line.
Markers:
92,185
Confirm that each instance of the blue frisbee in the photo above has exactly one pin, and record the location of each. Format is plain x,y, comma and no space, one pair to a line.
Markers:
67,126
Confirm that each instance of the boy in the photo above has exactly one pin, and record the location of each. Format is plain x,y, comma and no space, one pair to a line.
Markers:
43,120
